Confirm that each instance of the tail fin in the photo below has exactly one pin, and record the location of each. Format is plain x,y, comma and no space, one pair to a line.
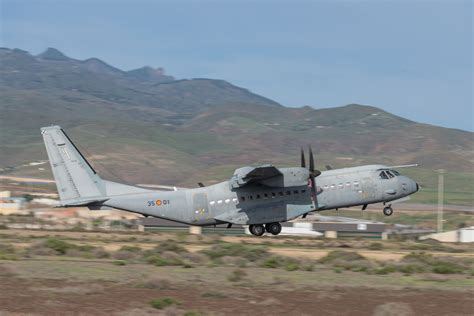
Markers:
76,180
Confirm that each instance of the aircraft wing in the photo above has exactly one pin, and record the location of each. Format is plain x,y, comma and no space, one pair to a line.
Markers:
245,175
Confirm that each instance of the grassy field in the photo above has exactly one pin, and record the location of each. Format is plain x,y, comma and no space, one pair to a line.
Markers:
180,274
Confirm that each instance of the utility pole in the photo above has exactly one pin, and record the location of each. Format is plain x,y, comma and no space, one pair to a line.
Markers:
440,199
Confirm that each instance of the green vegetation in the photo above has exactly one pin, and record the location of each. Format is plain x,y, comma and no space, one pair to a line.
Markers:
194,313
7,252
237,275
162,303
416,262
249,252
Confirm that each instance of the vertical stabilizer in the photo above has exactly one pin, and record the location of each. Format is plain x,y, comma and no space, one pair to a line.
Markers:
75,178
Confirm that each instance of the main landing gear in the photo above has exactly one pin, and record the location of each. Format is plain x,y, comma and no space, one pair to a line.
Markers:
387,210
259,229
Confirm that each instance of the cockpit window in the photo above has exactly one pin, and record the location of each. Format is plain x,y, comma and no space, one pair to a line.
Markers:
390,175
382,175
395,172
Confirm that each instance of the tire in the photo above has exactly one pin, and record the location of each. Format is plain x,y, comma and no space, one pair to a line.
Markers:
273,228
257,230
387,211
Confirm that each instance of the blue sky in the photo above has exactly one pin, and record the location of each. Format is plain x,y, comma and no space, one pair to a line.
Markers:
411,58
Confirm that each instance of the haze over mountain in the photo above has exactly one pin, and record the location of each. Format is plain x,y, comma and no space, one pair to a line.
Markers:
144,126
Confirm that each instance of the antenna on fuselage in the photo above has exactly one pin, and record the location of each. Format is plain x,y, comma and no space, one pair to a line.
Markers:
404,166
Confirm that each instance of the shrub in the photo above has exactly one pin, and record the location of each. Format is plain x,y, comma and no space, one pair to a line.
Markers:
58,245
411,268
375,246
170,245
342,256
194,313
385,270
133,249
272,263
7,248
249,252
214,295
162,303
292,266
447,268
157,284
119,262
237,275
123,255
100,253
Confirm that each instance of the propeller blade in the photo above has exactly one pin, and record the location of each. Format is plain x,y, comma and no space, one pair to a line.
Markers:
303,162
311,160
312,171
314,194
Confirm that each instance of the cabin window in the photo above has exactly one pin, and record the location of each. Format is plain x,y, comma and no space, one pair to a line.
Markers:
258,196
242,198
234,200
341,185
295,192
265,195
227,201
333,186
273,195
303,191
356,184
326,186
288,192
280,193
250,197
348,184
212,202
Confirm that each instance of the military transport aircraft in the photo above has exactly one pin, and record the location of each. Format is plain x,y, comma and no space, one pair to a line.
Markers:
261,197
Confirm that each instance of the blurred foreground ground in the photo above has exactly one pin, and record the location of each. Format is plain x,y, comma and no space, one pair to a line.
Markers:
95,273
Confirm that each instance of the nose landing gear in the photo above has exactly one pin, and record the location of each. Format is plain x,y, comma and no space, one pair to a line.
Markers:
387,211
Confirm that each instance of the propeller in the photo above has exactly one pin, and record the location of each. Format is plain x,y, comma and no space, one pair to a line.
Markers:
313,173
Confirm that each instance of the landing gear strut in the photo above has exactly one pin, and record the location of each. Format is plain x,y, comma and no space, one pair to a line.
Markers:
387,211
257,230
273,228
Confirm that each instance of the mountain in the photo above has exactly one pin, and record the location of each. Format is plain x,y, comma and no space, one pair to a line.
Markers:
143,126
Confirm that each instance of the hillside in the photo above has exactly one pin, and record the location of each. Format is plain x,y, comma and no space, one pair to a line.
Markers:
143,126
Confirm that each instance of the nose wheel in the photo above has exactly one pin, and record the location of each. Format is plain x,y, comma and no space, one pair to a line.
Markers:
387,211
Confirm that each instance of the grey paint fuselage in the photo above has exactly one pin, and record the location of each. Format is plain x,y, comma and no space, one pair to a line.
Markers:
258,204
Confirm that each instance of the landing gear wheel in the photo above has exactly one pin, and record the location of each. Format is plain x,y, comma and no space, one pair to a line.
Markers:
273,228
387,211
257,230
